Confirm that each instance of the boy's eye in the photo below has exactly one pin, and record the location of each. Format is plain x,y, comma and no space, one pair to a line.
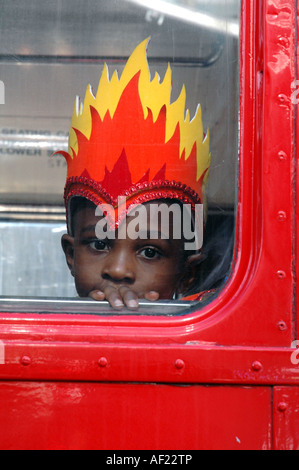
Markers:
150,253
98,245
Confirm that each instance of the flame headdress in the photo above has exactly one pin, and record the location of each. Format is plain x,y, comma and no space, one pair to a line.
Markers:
130,140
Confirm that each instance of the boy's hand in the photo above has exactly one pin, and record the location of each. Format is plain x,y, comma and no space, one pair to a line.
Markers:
122,297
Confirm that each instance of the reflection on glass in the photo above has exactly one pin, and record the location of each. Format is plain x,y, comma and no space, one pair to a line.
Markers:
48,54
198,12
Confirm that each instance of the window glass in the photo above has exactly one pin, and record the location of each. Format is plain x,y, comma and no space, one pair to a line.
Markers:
49,52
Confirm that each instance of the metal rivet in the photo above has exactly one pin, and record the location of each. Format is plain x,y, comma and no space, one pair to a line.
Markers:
26,360
179,364
257,366
282,326
282,155
281,274
282,98
284,41
281,216
103,362
282,406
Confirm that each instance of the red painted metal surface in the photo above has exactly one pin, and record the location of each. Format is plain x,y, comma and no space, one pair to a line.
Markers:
56,415
286,418
57,367
191,364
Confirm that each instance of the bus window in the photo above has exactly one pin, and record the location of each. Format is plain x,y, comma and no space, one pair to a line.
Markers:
49,53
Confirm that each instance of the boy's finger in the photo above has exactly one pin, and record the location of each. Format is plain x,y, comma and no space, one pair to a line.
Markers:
97,295
129,297
114,298
123,297
152,296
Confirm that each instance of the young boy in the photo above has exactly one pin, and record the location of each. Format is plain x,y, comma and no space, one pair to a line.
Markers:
132,152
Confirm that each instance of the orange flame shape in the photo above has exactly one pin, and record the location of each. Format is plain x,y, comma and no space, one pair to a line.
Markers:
131,133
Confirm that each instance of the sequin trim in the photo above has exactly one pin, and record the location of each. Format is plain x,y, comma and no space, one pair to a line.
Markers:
136,194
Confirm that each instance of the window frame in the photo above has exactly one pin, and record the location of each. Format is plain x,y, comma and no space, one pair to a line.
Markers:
240,327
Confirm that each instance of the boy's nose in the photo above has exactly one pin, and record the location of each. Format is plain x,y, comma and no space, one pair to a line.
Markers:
119,268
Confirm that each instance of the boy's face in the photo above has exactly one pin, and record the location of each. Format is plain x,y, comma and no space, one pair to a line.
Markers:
123,270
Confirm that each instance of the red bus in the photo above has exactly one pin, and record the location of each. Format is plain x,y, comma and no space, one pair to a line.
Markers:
180,375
